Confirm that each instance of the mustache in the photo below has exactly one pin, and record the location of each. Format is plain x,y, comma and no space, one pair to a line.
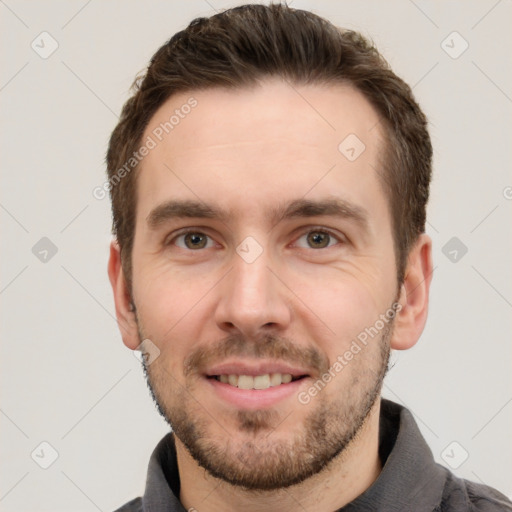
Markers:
268,346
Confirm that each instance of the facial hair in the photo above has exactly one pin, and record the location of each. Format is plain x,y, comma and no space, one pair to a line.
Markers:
262,463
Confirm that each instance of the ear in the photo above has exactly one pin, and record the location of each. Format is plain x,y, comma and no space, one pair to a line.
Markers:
410,320
124,312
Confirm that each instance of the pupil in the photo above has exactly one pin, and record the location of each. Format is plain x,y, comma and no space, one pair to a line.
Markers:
195,240
318,239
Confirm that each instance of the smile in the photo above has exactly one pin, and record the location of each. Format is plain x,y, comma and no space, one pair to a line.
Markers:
264,381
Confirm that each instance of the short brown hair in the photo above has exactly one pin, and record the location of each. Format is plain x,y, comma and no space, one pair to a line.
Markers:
243,45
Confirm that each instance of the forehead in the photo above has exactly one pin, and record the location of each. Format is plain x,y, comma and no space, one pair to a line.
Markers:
250,147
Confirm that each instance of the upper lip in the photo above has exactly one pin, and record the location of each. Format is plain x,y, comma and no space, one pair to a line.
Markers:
255,368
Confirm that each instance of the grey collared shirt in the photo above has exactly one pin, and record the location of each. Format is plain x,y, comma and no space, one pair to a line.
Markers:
410,479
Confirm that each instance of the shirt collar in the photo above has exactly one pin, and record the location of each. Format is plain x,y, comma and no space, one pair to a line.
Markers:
410,479
163,481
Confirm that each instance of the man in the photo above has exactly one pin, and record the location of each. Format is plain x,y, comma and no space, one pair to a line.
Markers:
269,180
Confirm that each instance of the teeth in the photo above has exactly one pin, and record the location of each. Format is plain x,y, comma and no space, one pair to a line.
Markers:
245,382
258,382
261,381
275,379
286,378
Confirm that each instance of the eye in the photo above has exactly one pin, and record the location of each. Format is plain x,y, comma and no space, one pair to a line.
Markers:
192,240
317,239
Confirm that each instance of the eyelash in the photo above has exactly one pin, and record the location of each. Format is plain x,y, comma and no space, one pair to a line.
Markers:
319,229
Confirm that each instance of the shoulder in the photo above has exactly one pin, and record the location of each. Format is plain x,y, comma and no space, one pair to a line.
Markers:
134,505
460,494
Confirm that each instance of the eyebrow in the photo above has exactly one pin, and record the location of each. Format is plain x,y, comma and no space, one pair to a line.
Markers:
298,208
334,207
179,209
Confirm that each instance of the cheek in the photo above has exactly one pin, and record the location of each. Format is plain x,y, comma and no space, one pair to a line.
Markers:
346,309
168,293
346,296
171,308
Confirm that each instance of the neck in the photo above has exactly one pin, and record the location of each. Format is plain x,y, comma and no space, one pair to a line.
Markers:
345,478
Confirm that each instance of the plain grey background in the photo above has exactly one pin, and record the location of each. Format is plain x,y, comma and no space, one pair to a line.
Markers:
67,379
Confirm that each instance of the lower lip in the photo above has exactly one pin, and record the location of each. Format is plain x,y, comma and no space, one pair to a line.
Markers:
253,399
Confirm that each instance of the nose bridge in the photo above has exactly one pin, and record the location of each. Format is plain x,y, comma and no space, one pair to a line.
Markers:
251,283
251,297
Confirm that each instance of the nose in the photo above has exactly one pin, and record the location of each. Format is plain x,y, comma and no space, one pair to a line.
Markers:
252,299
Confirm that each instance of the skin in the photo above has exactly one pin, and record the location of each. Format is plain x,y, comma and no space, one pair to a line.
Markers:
248,152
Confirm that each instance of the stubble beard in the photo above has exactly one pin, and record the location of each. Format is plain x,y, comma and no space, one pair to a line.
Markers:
261,462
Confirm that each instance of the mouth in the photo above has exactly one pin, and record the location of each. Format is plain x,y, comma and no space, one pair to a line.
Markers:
261,382
255,385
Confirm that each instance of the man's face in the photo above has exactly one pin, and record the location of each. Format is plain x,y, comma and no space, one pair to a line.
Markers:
260,249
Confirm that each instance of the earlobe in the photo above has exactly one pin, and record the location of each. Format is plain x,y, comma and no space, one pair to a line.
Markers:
125,309
414,294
